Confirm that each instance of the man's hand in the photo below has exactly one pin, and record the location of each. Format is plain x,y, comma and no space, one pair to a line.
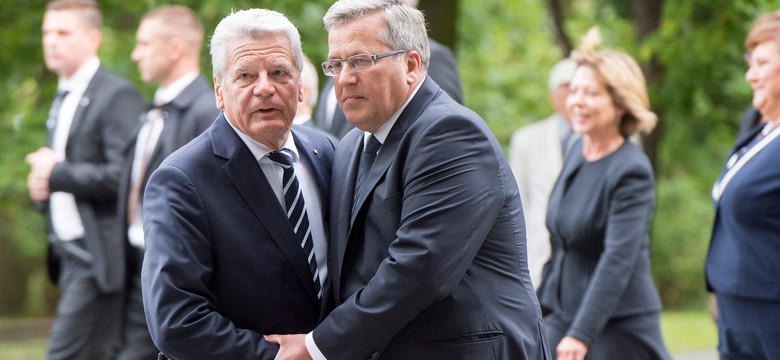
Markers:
41,164
291,347
571,349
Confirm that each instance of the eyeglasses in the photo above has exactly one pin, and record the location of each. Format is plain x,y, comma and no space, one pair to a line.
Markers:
359,62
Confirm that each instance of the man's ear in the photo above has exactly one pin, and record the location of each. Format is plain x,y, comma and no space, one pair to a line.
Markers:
300,90
413,66
177,48
218,94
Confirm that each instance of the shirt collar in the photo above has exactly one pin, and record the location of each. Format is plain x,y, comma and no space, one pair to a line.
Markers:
167,94
81,78
384,130
302,119
260,150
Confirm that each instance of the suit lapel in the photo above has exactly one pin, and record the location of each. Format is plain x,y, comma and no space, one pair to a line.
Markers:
343,191
242,169
428,91
81,111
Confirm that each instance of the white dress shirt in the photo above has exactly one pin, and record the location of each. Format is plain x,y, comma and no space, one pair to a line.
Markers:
311,192
65,218
147,139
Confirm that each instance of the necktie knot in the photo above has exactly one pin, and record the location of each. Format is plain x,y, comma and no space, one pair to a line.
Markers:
372,145
282,157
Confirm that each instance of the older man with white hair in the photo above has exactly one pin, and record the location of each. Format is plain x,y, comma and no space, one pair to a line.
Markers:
233,221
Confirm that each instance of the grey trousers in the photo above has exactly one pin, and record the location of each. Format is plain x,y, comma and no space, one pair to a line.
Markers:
88,322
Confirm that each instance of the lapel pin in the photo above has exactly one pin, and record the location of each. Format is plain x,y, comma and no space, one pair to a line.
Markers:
316,152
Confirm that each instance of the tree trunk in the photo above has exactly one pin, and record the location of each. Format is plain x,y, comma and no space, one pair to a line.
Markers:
555,22
647,14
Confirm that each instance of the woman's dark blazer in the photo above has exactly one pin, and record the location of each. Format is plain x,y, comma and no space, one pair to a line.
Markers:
598,216
745,243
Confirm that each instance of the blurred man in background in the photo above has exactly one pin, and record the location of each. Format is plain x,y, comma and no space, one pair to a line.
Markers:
167,51
75,180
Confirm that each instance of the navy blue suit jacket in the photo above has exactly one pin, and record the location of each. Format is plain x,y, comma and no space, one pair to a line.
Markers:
433,264
222,266
745,243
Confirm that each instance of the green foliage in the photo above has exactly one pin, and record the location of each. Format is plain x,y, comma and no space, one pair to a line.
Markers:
504,54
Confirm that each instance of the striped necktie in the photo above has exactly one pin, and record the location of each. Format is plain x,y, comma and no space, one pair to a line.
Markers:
296,212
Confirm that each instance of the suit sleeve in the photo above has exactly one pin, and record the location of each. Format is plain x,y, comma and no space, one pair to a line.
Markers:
178,272
100,179
450,200
630,209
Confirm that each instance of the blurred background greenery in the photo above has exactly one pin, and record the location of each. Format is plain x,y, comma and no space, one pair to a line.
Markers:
690,50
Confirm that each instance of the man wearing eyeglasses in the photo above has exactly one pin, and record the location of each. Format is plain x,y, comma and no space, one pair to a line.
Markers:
427,254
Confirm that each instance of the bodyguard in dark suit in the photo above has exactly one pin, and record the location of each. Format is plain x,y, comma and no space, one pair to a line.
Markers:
427,253
167,52
234,221
75,180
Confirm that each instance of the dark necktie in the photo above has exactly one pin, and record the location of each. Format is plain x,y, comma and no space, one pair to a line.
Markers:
54,112
369,155
296,212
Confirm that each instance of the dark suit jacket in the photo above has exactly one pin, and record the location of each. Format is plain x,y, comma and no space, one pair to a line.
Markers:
598,216
185,117
743,256
339,126
101,130
433,264
222,266
442,69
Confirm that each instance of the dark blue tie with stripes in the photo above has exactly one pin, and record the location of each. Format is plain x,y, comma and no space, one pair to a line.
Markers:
296,212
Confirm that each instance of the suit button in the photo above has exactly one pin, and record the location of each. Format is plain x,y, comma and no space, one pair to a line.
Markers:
374,356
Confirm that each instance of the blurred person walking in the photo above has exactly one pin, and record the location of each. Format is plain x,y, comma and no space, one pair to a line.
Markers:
167,51
597,295
75,180
536,153
741,267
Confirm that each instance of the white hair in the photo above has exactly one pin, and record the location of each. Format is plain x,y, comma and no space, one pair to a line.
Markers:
253,24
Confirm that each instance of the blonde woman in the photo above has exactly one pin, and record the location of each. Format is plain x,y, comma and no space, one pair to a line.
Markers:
596,293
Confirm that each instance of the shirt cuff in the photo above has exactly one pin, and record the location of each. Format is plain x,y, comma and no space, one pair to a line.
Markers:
314,351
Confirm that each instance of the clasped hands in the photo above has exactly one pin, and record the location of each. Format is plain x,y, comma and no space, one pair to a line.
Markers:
291,347
41,164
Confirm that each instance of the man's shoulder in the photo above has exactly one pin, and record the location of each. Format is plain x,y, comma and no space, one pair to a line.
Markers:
192,153
314,136
107,79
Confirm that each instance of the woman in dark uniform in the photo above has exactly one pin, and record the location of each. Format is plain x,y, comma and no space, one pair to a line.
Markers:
597,294
742,266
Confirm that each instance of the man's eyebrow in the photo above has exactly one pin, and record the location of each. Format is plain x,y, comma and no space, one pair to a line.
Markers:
241,68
